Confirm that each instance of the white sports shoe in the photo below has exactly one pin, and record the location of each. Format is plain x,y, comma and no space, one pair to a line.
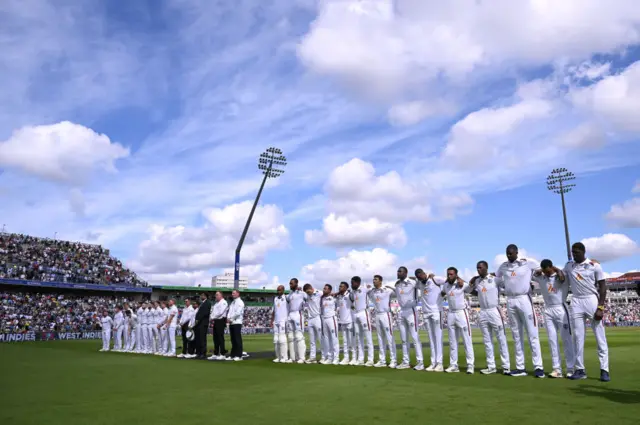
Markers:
357,363
393,365
311,361
229,359
335,362
470,370
419,366
403,366
212,357
488,371
369,363
102,349
324,361
288,361
569,373
556,374
438,368
452,369
353,362
380,364
170,355
430,368
300,361
344,362
237,359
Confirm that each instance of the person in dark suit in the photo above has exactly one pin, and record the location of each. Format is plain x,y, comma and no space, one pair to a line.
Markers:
201,326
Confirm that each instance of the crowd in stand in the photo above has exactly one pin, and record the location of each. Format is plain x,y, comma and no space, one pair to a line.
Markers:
48,260
43,312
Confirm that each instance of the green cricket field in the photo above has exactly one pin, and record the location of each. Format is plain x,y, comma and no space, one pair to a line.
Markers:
70,382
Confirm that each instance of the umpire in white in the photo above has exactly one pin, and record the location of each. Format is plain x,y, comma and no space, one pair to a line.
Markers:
234,319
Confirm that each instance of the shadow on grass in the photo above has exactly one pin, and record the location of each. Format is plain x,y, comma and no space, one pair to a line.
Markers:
617,396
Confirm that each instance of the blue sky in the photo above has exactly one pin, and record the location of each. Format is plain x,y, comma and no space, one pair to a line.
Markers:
417,133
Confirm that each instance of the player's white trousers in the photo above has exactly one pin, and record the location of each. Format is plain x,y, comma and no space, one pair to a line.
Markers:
171,334
408,323
132,340
155,338
314,325
458,325
433,325
556,318
295,331
280,340
106,339
138,338
363,334
522,316
581,310
348,341
164,340
125,335
117,343
330,337
492,324
385,337
148,338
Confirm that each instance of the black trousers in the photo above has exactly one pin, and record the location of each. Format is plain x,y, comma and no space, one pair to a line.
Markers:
218,336
201,338
236,340
185,341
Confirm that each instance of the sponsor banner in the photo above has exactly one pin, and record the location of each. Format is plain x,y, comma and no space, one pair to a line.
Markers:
49,336
81,286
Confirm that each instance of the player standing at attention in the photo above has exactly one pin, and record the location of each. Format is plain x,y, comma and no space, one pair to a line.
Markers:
431,298
314,323
408,318
147,318
279,321
125,327
381,297
185,318
457,320
130,331
329,326
138,330
589,290
486,288
163,329
295,323
555,290
118,328
106,323
362,321
156,315
515,275
172,324
345,324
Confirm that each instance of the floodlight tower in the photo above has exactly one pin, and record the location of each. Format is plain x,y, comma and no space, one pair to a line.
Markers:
557,183
271,162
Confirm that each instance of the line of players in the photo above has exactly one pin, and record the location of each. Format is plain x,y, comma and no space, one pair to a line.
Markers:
347,312
151,329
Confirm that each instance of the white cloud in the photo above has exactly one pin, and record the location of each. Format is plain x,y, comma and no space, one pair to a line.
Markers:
368,209
586,135
617,274
626,214
410,113
615,99
365,264
182,248
636,188
610,246
197,278
63,152
77,202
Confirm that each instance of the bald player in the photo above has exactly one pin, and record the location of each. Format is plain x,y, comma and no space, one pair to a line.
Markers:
515,275
381,297
279,320
295,322
314,322
407,296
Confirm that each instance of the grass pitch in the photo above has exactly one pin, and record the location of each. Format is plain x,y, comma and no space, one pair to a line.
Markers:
70,382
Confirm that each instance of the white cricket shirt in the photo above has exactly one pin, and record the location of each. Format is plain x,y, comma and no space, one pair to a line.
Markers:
488,292
313,304
381,299
516,277
583,277
406,293
328,306
430,293
455,295
344,308
280,309
296,300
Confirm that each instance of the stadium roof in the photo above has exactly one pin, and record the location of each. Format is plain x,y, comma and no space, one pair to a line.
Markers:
213,289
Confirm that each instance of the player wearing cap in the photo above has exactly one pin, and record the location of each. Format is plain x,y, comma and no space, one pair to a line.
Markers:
487,289
295,322
515,275
106,323
589,289
362,321
345,324
314,322
429,290
329,326
381,297
454,290
407,296
279,322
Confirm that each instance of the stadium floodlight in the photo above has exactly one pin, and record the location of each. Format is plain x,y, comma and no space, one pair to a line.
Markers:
271,162
557,182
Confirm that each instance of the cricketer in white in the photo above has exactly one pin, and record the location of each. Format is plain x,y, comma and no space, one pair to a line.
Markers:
381,297
362,322
432,305
295,322
329,326
279,321
314,322
454,289
408,318
345,324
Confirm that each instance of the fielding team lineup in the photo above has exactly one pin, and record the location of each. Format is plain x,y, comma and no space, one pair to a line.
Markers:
346,311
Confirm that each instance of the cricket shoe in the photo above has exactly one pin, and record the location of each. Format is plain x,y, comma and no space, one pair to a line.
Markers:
353,362
335,362
212,357
557,373
300,361
369,363
569,373
325,361
419,366
470,370
380,364
438,368
578,374
344,362
287,361
488,371
452,369
430,368
357,363
604,376
506,372
169,355
237,359
518,373
393,365
403,366
539,373
311,361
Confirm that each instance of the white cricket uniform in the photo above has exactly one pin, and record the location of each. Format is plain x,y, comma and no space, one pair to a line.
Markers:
314,323
158,315
164,335
131,331
516,279
557,318
118,327
583,278
107,324
125,330
185,319
146,330
345,323
280,316
491,321
295,325
432,301
330,327
362,322
382,304
458,323
139,332
407,296
171,330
